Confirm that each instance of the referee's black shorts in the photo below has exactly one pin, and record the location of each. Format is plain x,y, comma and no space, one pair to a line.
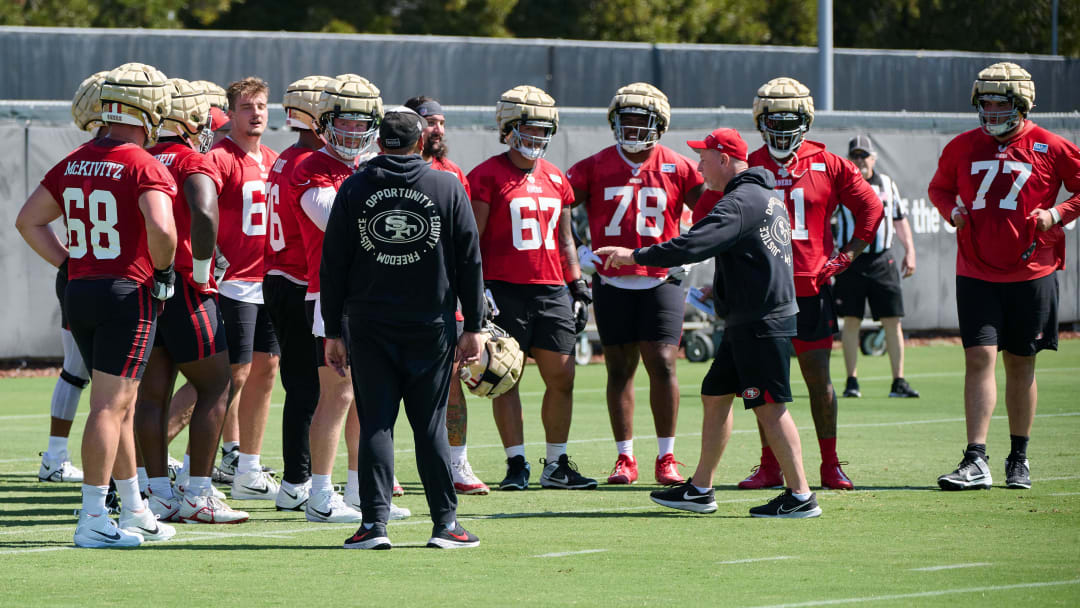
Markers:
871,277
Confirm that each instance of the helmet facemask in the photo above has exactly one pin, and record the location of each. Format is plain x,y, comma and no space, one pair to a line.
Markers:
532,147
349,143
998,122
783,132
634,138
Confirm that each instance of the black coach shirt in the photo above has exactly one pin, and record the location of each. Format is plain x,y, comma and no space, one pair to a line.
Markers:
401,245
749,234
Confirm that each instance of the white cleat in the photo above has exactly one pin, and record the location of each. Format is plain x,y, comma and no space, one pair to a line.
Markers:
100,532
165,509
175,466
181,484
144,523
58,469
254,485
293,500
326,506
352,499
465,481
209,510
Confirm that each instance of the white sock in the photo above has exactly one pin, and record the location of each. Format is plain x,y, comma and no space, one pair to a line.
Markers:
352,481
198,486
187,464
247,462
625,447
320,482
451,525
701,489
665,445
554,450
57,448
128,491
458,453
228,446
803,497
160,487
144,480
516,450
93,499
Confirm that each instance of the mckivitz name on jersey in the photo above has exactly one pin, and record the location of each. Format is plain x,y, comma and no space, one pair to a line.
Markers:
399,237
95,168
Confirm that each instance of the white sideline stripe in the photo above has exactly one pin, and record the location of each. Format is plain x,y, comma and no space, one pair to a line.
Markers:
566,553
1064,494
902,596
950,567
756,559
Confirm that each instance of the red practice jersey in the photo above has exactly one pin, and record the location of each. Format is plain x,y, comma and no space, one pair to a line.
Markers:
284,243
705,204
1000,184
445,164
520,243
812,186
319,170
633,208
182,162
242,214
98,187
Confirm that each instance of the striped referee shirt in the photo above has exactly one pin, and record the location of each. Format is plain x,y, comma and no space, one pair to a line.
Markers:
887,191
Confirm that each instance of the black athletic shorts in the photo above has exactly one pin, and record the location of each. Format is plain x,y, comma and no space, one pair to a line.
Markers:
247,329
537,316
753,362
320,342
191,327
874,278
817,316
113,322
61,286
627,316
1020,317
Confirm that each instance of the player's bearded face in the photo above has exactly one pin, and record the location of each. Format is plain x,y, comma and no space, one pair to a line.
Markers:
434,135
250,114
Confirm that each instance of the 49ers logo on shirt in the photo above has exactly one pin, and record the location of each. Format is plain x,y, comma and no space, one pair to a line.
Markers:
403,234
751,393
398,226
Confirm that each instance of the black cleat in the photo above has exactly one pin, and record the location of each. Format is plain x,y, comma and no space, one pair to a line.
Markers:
563,475
517,474
1017,474
788,507
369,538
852,388
686,497
971,474
458,538
900,388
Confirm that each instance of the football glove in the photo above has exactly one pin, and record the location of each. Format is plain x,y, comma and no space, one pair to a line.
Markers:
588,260
582,295
677,274
163,283
836,264
220,265
491,310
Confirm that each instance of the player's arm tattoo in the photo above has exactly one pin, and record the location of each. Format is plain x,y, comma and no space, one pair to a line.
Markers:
571,267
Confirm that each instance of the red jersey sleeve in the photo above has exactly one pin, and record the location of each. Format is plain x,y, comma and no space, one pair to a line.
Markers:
857,195
943,188
1067,165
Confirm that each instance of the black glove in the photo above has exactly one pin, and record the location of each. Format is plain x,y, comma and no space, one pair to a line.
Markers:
220,265
582,295
490,309
163,283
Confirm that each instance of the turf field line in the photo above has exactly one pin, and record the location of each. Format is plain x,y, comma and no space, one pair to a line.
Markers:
904,596
1064,493
568,553
1067,478
951,567
750,560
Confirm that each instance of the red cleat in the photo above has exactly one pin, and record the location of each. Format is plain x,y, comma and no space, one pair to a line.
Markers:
667,471
833,477
397,490
763,476
625,470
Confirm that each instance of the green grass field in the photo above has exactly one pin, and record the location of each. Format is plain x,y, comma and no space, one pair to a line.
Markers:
895,541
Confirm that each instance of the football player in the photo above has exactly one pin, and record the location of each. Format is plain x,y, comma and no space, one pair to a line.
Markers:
347,120
191,333
634,194
219,106
244,165
812,182
284,288
117,204
998,185
457,416
522,208
55,462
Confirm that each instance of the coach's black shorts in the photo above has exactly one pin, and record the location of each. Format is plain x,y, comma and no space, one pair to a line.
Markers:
320,342
626,316
817,316
874,278
753,362
190,327
537,316
247,328
113,322
1020,317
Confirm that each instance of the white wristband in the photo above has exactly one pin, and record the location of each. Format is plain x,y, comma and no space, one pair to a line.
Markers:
956,211
1055,214
200,270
